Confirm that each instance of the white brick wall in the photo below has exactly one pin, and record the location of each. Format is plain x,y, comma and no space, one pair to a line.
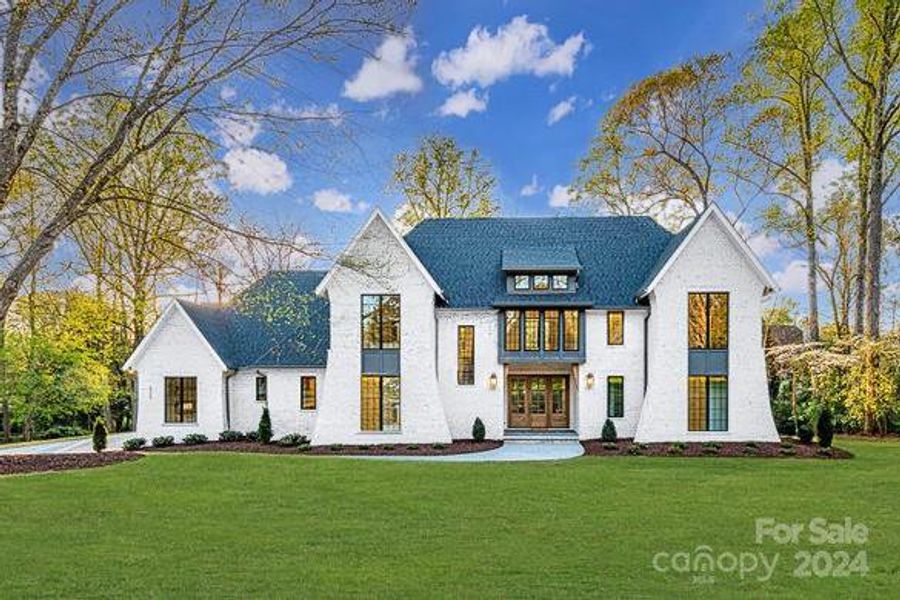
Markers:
283,400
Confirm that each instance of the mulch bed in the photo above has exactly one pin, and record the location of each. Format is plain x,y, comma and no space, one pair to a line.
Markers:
787,449
37,463
457,447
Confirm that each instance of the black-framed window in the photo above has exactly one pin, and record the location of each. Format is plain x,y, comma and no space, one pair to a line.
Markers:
551,330
615,328
181,399
708,320
707,403
521,282
513,338
380,321
262,388
465,355
380,403
560,282
570,330
307,392
541,283
615,396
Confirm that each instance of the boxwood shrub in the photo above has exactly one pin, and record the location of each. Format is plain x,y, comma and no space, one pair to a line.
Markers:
132,444
230,435
163,441
194,439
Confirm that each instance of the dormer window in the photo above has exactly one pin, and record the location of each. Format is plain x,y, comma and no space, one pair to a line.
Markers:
560,282
522,282
541,283
541,270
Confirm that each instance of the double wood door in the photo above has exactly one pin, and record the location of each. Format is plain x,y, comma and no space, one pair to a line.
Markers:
538,401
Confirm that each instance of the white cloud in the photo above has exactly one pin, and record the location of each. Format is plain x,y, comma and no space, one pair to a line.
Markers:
531,188
237,130
331,200
518,47
227,92
761,244
310,112
561,110
253,170
561,196
461,104
793,278
829,172
391,71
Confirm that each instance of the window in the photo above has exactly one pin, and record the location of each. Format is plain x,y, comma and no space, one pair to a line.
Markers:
708,321
532,330
570,330
513,338
262,385
551,331
560,282
307,393
381,321
181,399
615,396
615,328
541,282
707,403
380,403
465,355
521,282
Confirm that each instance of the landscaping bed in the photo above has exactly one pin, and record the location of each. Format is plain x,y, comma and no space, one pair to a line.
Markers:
37,463
785,449
457,447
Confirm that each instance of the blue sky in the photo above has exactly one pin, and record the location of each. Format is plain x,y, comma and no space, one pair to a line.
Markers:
509,65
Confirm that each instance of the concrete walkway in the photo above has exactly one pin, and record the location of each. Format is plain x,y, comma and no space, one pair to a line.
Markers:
113,442
508,452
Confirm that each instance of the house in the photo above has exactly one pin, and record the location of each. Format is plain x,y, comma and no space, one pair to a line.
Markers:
530,324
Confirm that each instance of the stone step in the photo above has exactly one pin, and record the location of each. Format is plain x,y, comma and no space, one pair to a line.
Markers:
540,435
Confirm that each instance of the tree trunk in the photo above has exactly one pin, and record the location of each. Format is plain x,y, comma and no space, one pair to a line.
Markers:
812,267
873,241
4,386
859,279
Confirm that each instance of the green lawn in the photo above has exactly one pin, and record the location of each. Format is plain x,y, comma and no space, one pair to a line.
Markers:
279,526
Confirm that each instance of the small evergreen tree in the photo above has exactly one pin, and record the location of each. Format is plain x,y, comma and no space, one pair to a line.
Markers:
478,430
825,428
804,433
609,432
99,435
265,427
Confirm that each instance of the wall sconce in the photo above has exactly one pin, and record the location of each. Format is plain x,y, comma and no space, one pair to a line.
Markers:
589,381
492,381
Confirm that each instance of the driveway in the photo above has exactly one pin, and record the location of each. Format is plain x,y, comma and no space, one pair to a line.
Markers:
65,446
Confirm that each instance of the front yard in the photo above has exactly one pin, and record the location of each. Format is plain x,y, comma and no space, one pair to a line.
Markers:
227,525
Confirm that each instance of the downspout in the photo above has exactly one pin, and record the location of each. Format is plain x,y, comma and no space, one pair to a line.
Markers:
646,347
228,375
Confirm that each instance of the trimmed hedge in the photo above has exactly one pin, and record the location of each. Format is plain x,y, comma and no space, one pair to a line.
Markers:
133,444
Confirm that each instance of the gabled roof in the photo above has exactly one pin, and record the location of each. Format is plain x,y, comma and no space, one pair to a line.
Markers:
681,240
347,253
465,256
542,258
276,322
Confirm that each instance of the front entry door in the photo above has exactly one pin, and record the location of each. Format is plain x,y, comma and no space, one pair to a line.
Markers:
538,401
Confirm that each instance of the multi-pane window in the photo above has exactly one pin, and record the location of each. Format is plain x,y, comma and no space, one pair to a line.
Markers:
570,330
380,321
560,282
308,393
551,330
615,396
541,282
513,338
708,403
708,321
532,330
522,282
262,388
615,328
181,399
380,403
465,355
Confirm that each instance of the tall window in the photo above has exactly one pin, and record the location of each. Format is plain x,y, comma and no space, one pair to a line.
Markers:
380,403
551,330
570,330
513,338
262,388
532,330
307,393
380,321
615,328
181,399
708,403
615,396
708,321
465,355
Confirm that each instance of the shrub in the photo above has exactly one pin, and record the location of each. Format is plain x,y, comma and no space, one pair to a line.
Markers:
99,439
710,449
194,439
265,427
163,441
635,449
787,444
609,432
252,436
337,447
304,447
804,433
676,448
753,445
293,440
478,430
412,447
788,451
609,446
388,447
231,436
62,431
714,445
133,444
439,446
679,445
751,450
825,428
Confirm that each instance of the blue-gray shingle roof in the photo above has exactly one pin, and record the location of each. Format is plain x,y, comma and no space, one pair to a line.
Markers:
465,256
278,321
541,258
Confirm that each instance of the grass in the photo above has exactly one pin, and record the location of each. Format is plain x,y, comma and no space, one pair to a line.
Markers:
227,525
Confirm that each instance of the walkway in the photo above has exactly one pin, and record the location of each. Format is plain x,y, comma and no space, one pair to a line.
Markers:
508,452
